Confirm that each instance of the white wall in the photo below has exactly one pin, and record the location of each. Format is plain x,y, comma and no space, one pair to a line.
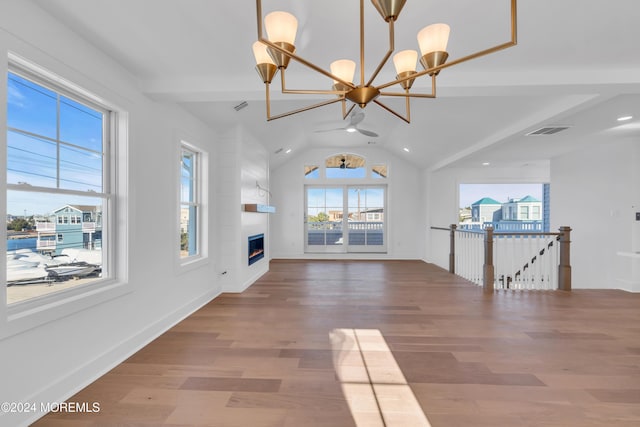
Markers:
404,204
51,361
596,191
244,164
443,199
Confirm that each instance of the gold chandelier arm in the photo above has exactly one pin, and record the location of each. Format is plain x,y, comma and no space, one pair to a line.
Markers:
299,110
305,91
407,94
346,112
293,56
392,111
389,52
305,62
511,43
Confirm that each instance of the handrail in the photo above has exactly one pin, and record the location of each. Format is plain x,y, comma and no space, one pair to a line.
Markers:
523,233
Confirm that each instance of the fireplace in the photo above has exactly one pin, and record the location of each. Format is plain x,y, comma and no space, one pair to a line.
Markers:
256,248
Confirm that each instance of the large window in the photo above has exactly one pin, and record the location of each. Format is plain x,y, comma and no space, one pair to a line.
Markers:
191,202
345,219
58,187
504,206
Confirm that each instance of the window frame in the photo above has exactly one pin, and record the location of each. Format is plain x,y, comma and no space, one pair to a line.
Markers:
201,182
30,313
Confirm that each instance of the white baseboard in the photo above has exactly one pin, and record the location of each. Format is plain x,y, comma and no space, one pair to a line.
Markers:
628,285
84,375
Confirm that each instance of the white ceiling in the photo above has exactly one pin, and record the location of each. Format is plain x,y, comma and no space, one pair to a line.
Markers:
577,63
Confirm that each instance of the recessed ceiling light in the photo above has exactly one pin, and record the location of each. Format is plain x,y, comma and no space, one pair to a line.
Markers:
288,151
624,118
486,164
406,149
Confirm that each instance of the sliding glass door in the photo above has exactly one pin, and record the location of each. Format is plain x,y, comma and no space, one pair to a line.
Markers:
341,219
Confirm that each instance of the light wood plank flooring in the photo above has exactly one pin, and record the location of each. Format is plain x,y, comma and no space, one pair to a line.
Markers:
271,356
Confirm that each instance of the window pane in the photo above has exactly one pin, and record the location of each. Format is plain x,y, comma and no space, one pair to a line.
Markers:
188,231
346,172
366,216
80,125
52,238
31,107
80,169
379,171
311,172
345,166
316,197
30,160
324,216
187,177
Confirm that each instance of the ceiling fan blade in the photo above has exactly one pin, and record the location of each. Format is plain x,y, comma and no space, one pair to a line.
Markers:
367,133
327,130
357,117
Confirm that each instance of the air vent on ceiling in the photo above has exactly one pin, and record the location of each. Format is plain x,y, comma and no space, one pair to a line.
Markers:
548,130
240,106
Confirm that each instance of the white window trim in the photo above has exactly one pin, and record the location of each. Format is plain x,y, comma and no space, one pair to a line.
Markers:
202,188
28,314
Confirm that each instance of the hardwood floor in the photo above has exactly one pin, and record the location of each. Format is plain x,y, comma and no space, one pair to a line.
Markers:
307,345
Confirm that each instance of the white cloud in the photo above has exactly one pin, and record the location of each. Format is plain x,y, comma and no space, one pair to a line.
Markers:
15,97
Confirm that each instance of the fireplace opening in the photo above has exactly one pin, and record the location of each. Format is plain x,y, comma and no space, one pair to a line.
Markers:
256,248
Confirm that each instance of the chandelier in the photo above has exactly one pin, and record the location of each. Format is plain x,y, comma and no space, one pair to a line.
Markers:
274,53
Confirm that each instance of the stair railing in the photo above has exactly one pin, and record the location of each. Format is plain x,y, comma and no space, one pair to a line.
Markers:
511,260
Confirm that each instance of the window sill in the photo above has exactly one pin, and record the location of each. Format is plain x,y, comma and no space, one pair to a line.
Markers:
29,314
192,263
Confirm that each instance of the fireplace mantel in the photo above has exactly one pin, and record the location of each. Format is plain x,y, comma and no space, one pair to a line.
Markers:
254,207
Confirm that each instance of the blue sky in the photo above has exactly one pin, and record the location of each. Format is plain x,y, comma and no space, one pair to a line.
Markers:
37,118
470,193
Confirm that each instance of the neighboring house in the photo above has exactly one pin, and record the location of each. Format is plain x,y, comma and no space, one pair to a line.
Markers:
514,215
525,209
465,214
486,210
372,215
70,227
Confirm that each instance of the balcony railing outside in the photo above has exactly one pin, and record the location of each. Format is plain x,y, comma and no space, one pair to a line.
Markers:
89,227
45,226
504,225
332,233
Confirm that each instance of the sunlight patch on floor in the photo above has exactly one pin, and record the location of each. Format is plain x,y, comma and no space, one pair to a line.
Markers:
372,382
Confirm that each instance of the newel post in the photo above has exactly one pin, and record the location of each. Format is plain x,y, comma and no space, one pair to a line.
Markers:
452,249
564,269
488,269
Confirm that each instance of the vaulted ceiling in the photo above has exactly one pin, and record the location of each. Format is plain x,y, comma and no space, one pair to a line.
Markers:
577,64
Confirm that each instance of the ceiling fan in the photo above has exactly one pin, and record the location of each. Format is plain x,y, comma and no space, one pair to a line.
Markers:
354,119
